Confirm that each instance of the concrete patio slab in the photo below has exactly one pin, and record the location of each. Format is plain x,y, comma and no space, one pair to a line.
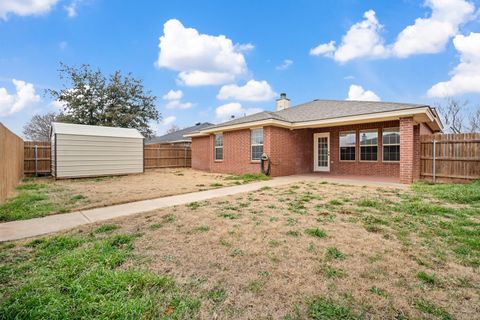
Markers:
15,230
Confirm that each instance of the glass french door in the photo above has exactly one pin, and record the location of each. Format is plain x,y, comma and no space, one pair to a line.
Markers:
321,151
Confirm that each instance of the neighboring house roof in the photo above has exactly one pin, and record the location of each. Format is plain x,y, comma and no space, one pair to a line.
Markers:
325,111
177,136
86,130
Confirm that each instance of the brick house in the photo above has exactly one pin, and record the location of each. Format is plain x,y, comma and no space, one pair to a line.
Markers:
337,137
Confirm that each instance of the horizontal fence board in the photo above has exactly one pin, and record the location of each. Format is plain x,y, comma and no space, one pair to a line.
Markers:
155,156
457,157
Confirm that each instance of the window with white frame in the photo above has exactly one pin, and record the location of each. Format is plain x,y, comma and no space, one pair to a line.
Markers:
219,146
368,145
347,146
257,143
391,144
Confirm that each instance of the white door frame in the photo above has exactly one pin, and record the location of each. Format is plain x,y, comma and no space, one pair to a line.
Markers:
315,152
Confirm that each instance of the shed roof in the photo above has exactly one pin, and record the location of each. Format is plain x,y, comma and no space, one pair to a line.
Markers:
86,130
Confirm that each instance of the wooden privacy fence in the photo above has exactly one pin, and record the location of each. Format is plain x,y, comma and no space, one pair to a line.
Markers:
37,157
167,156
11,161
450,157
38,162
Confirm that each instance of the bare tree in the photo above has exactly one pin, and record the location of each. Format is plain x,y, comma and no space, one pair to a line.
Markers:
474,120
453,115
38,128
173,128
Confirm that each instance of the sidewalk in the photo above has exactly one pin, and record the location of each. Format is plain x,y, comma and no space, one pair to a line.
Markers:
15,230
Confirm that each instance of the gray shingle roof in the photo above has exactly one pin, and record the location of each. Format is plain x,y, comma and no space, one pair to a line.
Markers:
322,110
177,136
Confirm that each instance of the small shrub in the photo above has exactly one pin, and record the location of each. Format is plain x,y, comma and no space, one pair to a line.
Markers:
293,233
203,228
168,218
106,228
217,294
76,198
334,253
193,205
327,309
237,253
155,226
335,202
225,243
231,216
430,308
255,286
216,184
426,278
274,243
332,272
249,177
371,203
316,232
378,291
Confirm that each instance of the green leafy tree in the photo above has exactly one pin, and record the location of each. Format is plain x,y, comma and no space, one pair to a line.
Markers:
89,97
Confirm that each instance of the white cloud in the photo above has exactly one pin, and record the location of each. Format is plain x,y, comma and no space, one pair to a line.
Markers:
200,59
430,35
252,91
326,49
285,64
177,104
63,45
357,92
426,35
71,8
244,47
362,40
226,111
349,77
24,96
465,76
168,120
173,95
25,7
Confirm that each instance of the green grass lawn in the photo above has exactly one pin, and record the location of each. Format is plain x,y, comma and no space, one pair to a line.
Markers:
80,277
105,272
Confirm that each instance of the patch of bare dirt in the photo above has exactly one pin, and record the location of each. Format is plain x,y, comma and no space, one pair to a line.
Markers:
86,193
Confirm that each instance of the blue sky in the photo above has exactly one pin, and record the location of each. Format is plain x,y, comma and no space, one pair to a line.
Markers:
220,58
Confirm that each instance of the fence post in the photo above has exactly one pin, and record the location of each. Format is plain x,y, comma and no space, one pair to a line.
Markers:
36,160
185,159
434,158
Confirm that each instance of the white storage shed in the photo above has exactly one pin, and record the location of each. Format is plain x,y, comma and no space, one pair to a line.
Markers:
89,151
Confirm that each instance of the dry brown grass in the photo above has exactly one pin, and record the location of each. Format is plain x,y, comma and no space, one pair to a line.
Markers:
253,249
105,191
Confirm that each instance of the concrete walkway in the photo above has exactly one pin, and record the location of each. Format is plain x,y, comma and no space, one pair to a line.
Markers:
15,230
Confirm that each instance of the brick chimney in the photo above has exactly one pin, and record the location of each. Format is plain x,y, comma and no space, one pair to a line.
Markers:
283,102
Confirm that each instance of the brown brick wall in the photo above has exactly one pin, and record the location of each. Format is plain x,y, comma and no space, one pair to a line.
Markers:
407,149
357,167
236,154
288,150
291,152
201,153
